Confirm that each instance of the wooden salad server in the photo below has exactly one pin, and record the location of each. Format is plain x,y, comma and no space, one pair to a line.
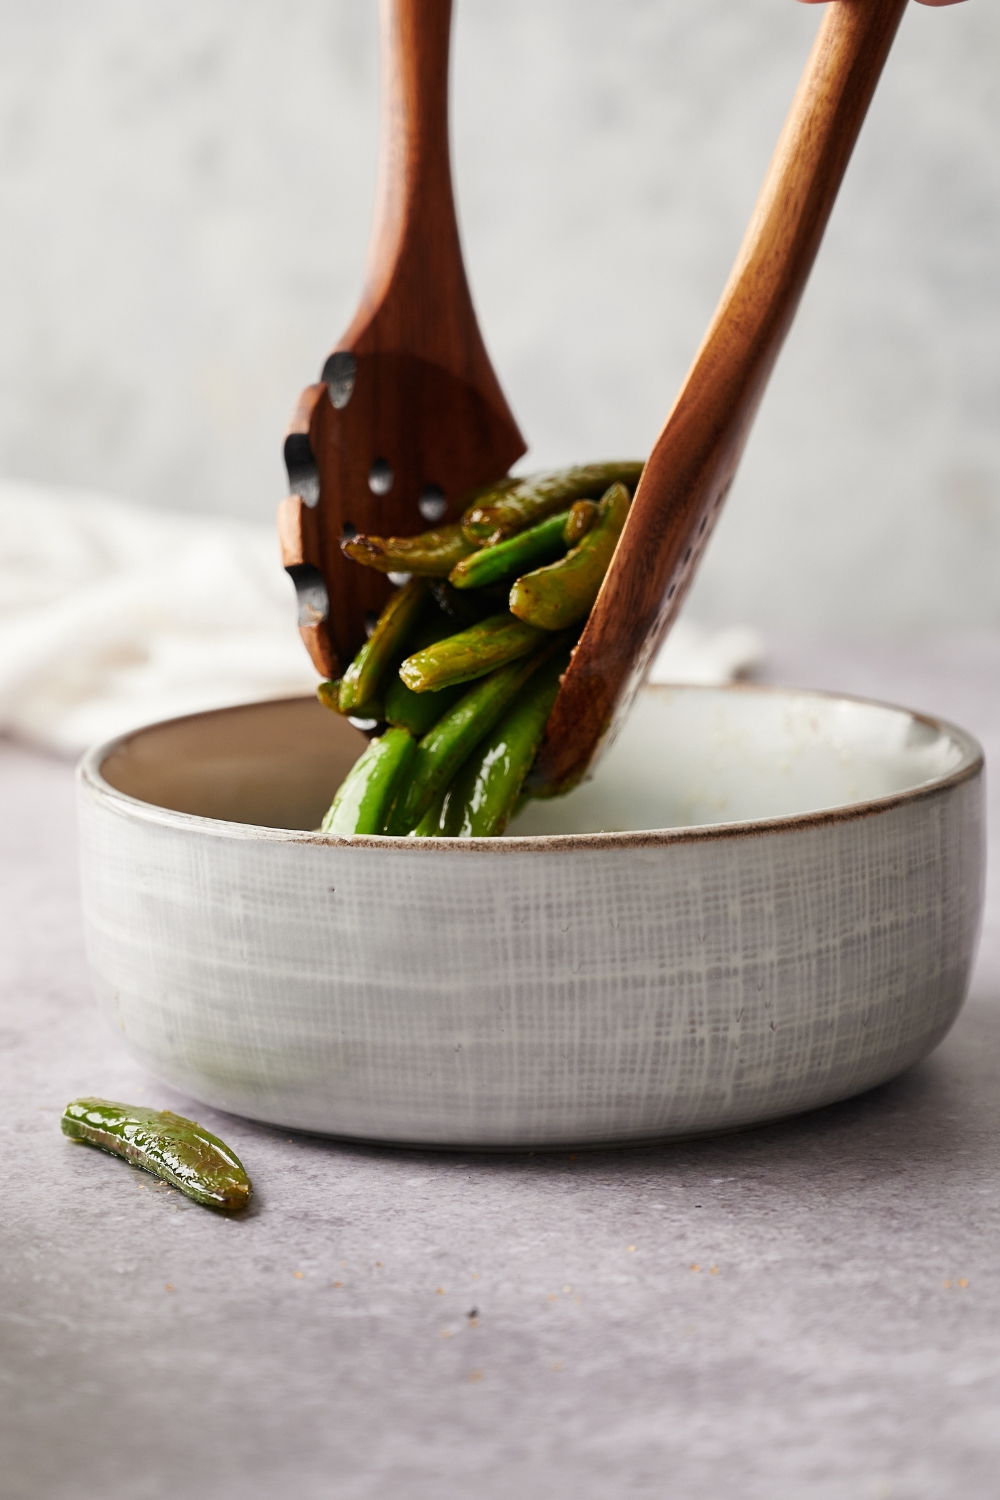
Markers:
696,454
408,414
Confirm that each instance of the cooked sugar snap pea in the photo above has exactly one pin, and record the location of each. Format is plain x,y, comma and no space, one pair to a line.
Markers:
495,516
452,739
365,797
552,598
492,490
361,680
328,694
417,712
581,517
465,607
165,1144
470,654
431,825
432,554
488,787
507,559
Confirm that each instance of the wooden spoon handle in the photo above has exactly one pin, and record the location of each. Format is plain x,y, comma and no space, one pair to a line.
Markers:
413,228
416,298
697,452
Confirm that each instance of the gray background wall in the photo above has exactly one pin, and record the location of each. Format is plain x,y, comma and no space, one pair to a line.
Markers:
185,192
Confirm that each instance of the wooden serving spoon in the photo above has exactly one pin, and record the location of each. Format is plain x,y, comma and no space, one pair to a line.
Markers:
696,454
408,415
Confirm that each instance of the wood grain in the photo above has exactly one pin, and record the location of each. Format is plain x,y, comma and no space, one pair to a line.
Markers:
696,454
417,391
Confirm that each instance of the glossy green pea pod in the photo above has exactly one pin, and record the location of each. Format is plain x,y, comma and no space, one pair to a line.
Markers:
506,560
489,491
432,554
488,788
365,797
582,516
554,597
465,607
470,654
417,712
328,694
500,515
359,684
165,1144
431,825
447,745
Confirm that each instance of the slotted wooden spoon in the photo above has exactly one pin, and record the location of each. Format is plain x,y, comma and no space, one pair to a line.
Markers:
696,454
408,414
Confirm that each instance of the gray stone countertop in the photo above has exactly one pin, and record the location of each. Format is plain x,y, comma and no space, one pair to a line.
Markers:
810,1309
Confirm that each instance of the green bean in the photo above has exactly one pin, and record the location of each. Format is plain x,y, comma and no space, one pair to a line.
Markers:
488,787
165,1144
469,654
582,516
552,598
508,559
360,681
365,797
502,513
432,554
444,748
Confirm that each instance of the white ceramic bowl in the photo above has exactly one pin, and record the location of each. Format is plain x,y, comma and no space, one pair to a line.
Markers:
781,911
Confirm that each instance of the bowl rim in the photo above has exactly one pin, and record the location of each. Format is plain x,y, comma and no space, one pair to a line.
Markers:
971,765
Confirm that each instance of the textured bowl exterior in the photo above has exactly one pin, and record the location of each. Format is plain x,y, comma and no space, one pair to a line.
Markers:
522,992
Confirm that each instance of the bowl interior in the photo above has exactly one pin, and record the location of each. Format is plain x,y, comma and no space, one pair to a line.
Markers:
687,756
691,756
274,764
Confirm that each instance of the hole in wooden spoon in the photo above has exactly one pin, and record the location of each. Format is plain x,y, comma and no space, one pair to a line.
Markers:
380,477
310,590
338,377
432,504
303,475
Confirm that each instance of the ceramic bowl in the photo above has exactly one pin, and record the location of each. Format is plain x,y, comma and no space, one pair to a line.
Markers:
764,901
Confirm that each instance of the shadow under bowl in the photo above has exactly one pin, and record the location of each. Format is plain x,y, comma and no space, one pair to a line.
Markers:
764,901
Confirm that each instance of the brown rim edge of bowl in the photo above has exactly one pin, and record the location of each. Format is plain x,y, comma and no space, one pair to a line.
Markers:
89,776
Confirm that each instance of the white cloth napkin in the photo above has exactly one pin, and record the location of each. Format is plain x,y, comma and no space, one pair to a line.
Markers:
112,616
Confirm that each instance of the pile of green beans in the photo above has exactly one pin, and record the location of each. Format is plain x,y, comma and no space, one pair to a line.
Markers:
459,675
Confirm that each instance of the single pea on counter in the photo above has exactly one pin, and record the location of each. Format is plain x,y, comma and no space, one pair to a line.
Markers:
168,1145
